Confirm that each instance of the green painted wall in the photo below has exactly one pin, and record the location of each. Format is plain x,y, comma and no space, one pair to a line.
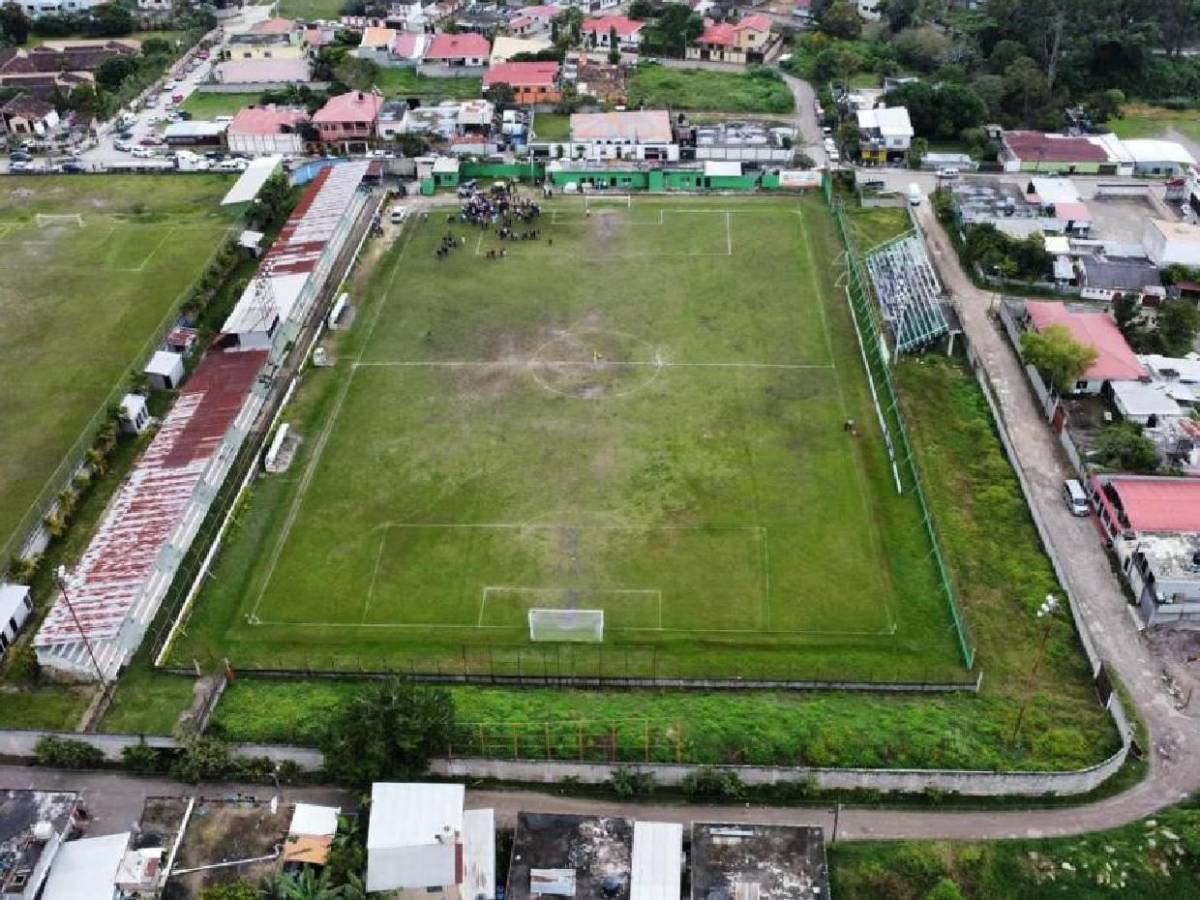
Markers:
521,172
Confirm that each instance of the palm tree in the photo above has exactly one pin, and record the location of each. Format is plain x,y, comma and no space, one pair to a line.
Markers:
308,885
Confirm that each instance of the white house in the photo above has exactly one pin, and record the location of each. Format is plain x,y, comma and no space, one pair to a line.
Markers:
165,370
16,604
35,8
642,135
419,838
883,132
87,869
1169,243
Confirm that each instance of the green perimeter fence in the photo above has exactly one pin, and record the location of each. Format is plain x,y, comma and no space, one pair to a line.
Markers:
887,401
74,457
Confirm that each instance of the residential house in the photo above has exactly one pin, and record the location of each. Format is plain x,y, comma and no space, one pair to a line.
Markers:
532,82
458,51
870,10
376,45
597,78
271,39
1115,360
348,121
33,827
1172,243
1103,277
155,11
481,18
16,603
505,48
745,41
527,20
598,32
88,869
27,115
802,13
45,85
780,862
420,839
268,130
1034,151
408,49
35,8
641,135
1163,159
884,133
318,37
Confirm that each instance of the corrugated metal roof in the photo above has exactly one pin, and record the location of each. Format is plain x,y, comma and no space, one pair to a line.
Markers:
657,861
86,869
1116,361
413,814
246,188
479,854
120,560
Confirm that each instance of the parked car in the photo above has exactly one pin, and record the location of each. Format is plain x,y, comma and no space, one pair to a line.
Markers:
143,153
122,146
73,168
20,156
21,165
152,140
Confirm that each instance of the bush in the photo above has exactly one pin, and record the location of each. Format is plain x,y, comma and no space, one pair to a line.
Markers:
144,759
204,759
722,784
632,783
64,753
23,665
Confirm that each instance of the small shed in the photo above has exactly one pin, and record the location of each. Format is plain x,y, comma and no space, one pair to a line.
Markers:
251,242
445,171
1144,404
16,603
310,835
135,417
165,370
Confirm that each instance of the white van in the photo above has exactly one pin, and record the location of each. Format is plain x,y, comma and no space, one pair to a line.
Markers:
399,214
1077,499
947,172
914,194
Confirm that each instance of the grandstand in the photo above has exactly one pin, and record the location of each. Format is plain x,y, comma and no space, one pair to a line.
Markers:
114,593
908,291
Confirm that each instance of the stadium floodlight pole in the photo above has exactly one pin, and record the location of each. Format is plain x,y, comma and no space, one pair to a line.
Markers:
61,578
1046,611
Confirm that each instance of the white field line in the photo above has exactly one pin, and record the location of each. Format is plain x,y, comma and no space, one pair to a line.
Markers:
888,632
374,576
728,236
323,438
167,235
582,363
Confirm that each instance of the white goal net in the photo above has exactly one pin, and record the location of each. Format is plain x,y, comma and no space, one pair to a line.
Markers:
576,625
51,220
601,200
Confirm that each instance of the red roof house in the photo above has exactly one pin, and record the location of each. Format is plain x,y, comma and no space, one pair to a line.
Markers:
736,42
532,82
349,117
1116,360
597,31
267,129
462,50
1147,504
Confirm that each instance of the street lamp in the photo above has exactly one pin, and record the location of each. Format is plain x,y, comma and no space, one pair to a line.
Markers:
1046,611
61,577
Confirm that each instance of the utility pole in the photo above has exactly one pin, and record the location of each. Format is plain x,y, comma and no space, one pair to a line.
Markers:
1046,611
61,578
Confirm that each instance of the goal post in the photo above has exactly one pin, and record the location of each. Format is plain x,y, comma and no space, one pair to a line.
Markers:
584,626
604,199
48,220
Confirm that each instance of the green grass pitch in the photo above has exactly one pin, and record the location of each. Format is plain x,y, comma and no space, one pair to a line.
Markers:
78,304
641,412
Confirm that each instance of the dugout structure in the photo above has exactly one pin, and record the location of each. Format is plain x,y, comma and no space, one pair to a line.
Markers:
887,403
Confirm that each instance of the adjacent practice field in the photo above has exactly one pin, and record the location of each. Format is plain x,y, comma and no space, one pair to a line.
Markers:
643,412
83,289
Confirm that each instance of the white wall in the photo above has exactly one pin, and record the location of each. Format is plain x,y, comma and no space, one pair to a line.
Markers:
266,144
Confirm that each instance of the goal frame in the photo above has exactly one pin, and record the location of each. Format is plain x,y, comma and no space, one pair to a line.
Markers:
591,196
45,220
557,625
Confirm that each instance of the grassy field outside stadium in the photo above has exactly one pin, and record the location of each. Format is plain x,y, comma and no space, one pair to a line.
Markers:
757,91
645,417
80,302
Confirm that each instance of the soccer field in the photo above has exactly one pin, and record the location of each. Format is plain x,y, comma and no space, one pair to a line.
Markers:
642,412
90,268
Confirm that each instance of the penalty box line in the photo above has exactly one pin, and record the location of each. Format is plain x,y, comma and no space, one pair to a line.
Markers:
582,363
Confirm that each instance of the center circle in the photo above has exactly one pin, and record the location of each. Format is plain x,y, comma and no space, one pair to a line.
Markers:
595,364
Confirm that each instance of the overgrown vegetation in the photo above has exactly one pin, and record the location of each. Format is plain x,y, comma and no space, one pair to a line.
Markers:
1156,857
64,753
760,90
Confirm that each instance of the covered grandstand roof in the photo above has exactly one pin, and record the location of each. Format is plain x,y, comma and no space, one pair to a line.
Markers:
299,247
112,576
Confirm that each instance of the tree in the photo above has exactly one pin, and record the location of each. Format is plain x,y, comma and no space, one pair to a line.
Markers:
945,889
155,46
502,94
1178,322
1056,353
55,25
1122,446
921,47
835,62
273,201
356,74
916,152
109,20
307,885
348,852
236,890
900,14
1024,87
614,46
641,10
14,24
849,140
389,731
841,20
114,70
